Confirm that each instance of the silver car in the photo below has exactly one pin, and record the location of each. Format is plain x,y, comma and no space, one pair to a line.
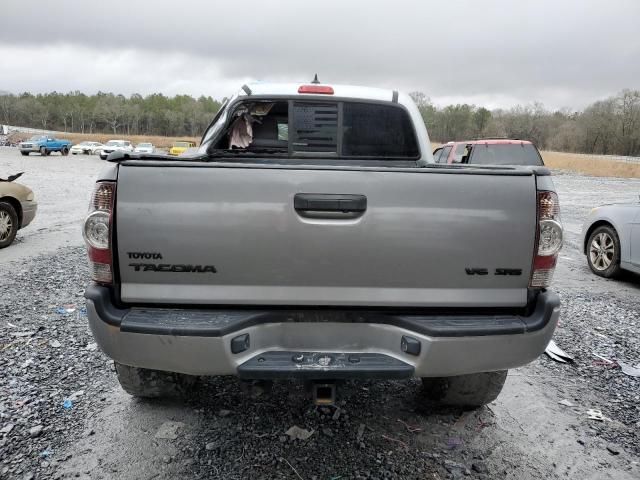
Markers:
611,239
115,146
144,148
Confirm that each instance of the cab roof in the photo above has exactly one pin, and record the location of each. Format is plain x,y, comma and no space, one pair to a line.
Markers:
344,91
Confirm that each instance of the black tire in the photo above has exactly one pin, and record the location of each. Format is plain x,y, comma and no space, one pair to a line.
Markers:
24,154
9,215
611,254
146,383
64,151
43,151
467,391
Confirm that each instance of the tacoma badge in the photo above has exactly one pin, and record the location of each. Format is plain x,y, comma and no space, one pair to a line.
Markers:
165,267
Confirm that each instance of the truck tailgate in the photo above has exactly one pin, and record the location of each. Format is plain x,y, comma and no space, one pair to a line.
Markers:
218,234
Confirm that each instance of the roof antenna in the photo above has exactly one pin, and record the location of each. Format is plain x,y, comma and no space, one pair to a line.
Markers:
315,79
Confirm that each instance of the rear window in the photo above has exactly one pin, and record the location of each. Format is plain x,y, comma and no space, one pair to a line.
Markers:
371,130
368,130
505,154
315,128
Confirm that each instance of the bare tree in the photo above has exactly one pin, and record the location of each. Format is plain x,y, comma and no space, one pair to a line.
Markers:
110,110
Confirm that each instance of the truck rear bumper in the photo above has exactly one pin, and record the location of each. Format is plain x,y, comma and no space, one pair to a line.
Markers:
323,343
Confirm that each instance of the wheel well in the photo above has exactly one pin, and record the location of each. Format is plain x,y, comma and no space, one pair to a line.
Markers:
599,223
16,205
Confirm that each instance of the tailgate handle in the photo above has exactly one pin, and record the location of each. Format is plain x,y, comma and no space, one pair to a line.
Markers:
330,202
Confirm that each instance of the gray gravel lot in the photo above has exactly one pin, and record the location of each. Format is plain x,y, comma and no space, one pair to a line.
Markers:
380,430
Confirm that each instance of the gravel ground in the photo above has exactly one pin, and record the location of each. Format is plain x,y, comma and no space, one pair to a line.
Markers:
599,316
609,327
380,430
47,356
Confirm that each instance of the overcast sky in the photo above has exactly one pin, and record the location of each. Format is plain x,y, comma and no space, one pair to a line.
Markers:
564,53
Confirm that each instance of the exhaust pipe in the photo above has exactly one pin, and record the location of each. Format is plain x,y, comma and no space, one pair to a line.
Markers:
324,394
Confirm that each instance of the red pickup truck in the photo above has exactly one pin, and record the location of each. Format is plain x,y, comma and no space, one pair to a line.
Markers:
489,152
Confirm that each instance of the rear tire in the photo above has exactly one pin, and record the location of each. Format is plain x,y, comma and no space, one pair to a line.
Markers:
603,252
467,391
43,151
8,224
146,383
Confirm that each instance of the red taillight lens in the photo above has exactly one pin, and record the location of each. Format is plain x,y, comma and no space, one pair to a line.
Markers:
549,236
321,89
97,232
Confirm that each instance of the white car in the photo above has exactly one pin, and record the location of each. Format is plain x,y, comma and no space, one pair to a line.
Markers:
611,239
144,148
88,148
115,146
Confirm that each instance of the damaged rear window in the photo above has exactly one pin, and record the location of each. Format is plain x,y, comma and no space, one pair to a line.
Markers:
295,128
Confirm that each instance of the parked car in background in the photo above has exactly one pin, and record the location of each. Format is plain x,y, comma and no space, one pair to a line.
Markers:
611,239
115,146
178,148
489,152
17,208
144,148
88,148
44,144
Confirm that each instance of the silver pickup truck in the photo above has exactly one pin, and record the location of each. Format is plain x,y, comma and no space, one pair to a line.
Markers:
312,237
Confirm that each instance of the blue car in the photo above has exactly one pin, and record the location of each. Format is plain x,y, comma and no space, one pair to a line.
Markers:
44,145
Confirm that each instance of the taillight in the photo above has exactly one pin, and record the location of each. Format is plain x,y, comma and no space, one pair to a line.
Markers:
321,89
548,240
97,232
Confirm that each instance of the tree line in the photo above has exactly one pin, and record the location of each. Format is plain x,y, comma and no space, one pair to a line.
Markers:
157,114
610,126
